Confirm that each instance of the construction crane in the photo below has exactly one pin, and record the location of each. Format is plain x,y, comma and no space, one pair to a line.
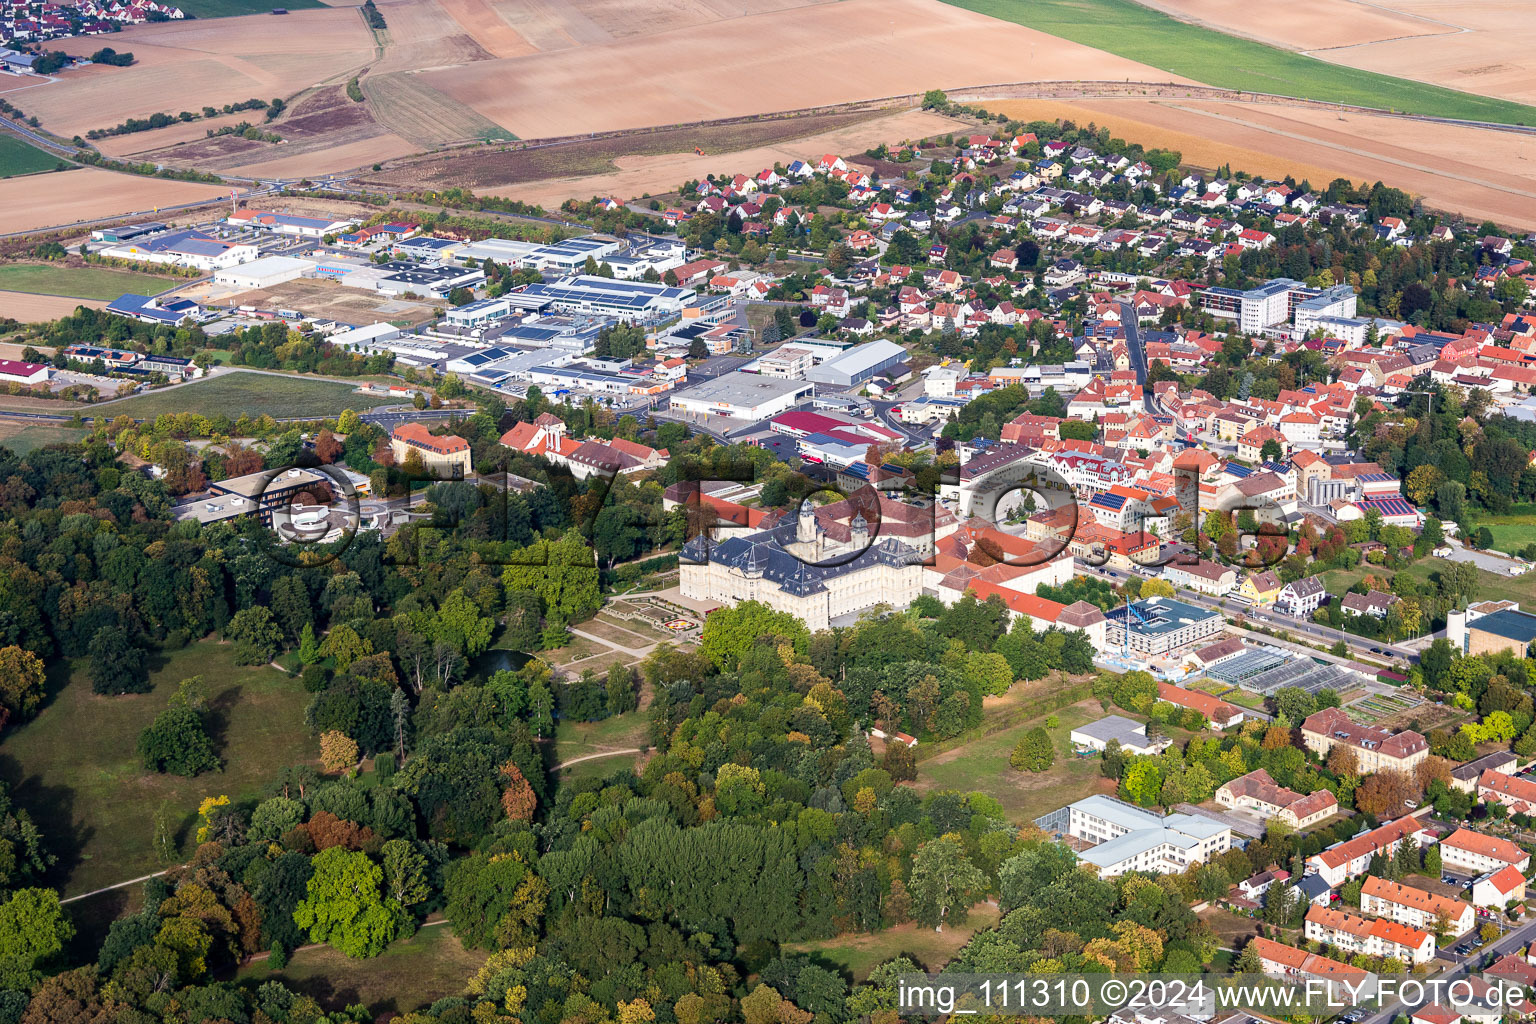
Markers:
1125,637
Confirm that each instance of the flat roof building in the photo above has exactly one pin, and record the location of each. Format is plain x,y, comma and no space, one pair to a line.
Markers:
1159,625
746,396
590,295
1130,838
1129,733
858,364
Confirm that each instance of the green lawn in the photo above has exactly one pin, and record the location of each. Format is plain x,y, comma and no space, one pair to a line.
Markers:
860,954
16,157
1214,58
250,394
79,282
32,437
1510,532
983,765
74,766
575,739
409,975
234,8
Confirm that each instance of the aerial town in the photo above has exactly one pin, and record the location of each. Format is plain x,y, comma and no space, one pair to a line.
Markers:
501,529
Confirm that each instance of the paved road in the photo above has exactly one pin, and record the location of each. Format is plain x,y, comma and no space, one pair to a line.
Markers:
1511,941
1493,562
1133,343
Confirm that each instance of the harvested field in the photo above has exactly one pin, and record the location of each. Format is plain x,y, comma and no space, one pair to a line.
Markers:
485,24
414,110
90,193
79,281
332,299
324,159
1308,24
243,393
35,308
421,34
659,162
185,65
1428,160
170,135
1139,33
830,53
1478,47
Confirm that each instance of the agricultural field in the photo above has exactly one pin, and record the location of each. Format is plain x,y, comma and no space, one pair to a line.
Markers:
826,53
420,114
1474,47
409,975
79,282
1374,707
90,193
982,764
1152,38
243,393
31,309
16,157
1275,140
74,766
234,8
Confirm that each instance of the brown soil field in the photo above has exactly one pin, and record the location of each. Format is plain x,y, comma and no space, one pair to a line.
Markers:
421,34
333,299
171,135
185,65
853,50
363,153
1483,47
1428,160
33,308
638,174
42,200
1306,24
487,27
504,165
409,106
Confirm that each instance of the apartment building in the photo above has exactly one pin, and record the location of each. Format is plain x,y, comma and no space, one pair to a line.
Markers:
445,456
1474,853
1417,908
1495,786
1343,861
1373,936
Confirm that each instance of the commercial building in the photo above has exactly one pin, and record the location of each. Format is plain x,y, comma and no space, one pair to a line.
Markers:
1474,853
1373,936
857,365
1375,748
746,396
1252,309
1130,734
1129,838
479,314
289,224
262,273
436,281
15,372
789,362
446,456
1427,910
1159,625
640,301
1259,792
1204,576
184,249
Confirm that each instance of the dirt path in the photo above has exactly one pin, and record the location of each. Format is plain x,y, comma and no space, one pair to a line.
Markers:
590,757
